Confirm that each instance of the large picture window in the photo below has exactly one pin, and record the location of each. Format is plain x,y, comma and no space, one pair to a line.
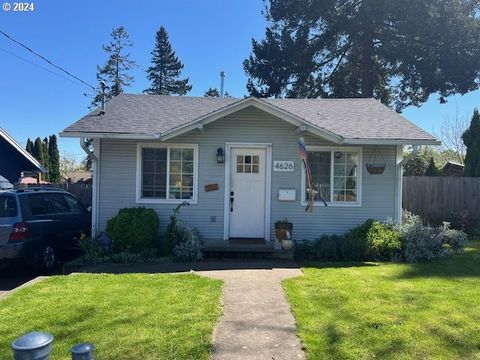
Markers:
167,173
336,175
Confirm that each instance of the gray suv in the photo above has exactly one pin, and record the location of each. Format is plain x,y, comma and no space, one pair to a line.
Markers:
39,226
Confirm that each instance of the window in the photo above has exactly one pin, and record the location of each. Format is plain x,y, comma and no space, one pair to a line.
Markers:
74,205
336,175
8,206
248,164
167,173
57,204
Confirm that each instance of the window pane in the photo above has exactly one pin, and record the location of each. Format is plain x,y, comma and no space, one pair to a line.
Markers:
320,162
255,169
154,172
350,183
73,204
256,159
175,154
187,180
248,168
175,181
351,195
339,170
239,159
8,206
187,154
339,183
187,167
175,167
339,195
57,203
248,159
239,169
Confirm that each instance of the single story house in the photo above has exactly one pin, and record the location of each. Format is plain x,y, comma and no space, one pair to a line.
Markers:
15,159
236,161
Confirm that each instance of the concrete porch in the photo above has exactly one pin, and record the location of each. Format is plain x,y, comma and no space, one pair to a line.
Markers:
244,249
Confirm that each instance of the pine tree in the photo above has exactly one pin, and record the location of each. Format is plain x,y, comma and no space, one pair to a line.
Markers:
54,157
29,146
37,151
115,72
399,52
166,69
211,92
432,169
46,159
471,138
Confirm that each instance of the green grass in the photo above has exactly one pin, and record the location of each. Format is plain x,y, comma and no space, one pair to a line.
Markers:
138,316
390,311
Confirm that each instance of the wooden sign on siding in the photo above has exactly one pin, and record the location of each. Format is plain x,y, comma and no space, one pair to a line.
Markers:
211,187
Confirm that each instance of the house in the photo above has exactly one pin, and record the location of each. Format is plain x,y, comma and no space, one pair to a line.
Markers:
452,168
78,177
15,159
236,161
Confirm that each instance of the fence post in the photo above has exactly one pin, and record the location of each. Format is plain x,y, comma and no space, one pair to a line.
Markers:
82,351
34,345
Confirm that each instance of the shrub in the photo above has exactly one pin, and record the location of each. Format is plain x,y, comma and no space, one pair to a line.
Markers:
304,250
189,245
173,231
425,243
383,242
462,220
133,229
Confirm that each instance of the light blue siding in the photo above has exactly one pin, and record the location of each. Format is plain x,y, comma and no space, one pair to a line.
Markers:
118,177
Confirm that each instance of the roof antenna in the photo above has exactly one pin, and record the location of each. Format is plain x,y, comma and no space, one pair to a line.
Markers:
103,85
222,81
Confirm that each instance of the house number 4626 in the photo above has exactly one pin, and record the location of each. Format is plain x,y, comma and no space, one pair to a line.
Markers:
283,166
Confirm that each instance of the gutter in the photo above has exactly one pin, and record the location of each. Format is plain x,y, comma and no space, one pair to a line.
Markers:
95,183
409,156
83,145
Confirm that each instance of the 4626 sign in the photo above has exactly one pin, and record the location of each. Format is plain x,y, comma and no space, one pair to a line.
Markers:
283,166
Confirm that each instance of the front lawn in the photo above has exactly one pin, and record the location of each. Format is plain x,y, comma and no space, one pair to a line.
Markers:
136,316
390,311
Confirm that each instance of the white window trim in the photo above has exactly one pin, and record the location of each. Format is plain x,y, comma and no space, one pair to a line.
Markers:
138,184
332,150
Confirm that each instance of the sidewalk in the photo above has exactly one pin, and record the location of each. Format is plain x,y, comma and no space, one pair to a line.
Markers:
257,321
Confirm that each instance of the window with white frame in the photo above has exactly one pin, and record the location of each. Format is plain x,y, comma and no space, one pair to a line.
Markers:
336,175
167,172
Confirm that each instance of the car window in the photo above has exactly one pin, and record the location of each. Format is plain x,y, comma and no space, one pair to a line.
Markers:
34,204
57,203
8,206
74,205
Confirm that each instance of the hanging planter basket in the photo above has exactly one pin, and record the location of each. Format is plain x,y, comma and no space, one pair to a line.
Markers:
375,168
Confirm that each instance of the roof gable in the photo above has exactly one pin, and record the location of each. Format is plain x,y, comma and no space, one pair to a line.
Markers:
10,140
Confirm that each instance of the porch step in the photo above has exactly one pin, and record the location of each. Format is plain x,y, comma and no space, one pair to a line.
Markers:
223,253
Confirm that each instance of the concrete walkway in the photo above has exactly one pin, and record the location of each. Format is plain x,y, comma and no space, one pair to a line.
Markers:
257,321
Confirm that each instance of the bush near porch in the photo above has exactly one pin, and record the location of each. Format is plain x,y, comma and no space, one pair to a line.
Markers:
390,311
411,241
135,316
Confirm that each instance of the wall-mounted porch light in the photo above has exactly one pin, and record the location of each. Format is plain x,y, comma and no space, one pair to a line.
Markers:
220,156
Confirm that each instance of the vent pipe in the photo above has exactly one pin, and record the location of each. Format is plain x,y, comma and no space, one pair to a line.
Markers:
103,85
222,82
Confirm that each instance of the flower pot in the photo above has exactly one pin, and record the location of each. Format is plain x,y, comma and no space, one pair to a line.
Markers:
375,169
287,244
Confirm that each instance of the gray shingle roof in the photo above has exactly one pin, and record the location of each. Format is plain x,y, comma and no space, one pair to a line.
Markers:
365,119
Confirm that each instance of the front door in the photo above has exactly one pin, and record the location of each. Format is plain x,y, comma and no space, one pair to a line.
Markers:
247,192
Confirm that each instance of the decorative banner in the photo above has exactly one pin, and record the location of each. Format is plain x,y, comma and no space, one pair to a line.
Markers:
312,192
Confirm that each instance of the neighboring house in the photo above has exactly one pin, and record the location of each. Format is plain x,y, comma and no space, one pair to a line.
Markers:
453,169
158,151
14,159
78,177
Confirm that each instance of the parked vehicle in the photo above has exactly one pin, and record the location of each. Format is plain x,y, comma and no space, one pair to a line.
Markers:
39,226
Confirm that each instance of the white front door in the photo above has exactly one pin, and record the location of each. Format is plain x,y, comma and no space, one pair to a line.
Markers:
247,192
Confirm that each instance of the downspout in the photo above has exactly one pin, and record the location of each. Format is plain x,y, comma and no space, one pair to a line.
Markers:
401,161
95,182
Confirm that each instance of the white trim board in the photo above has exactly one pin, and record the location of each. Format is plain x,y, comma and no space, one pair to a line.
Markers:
138,178
268,189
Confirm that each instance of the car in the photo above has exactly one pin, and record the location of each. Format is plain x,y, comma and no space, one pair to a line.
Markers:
40,226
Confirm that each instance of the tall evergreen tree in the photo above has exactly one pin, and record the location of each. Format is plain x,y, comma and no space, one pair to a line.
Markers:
54,157
211,92
29,146
115,72
432,169
166,69
471,138
400,52
38,150
46,159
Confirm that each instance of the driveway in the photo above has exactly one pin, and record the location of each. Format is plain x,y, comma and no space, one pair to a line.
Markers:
13,276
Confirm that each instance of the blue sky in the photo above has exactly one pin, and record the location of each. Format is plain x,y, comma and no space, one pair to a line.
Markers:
208,36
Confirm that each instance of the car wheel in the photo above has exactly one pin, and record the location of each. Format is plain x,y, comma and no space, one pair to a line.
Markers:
46,257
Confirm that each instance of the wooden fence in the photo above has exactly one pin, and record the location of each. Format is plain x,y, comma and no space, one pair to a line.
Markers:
437,198
82,191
